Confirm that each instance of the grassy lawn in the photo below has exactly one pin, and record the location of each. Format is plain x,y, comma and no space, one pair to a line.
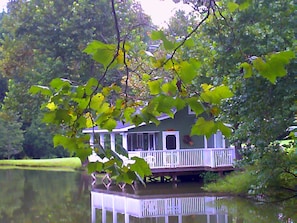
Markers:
73,163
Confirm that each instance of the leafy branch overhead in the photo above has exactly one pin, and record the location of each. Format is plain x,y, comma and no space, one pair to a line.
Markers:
174,75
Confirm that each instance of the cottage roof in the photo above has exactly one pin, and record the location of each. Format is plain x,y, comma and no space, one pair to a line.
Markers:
121,127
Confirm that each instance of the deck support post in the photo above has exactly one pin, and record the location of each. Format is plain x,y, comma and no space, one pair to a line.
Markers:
112,141
125,140
92,140
101,138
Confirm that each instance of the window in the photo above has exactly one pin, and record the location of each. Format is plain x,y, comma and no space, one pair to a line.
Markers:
141,141
171,142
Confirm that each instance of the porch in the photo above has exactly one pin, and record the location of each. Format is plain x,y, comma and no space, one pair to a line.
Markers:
187,158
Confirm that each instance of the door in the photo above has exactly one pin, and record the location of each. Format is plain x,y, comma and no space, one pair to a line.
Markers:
171,146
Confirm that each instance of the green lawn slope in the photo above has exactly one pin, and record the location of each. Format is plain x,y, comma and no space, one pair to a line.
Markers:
72,162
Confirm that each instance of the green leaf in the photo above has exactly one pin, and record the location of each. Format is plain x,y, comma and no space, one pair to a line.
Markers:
63,116
82,103
204,127
214,95
165,105
128,112
169,88
195,105
224,129
245,5
122,151
95,167
91,84
146,77
59,83
66,142
179,103
274,66
110,124
140,167
159,35
35,89
96,101
248,71
125,177
137,119
49,117
187,72
190,43
102,53
155,86
232,6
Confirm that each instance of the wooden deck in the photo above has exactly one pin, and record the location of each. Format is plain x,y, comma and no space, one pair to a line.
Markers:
174,163
188,161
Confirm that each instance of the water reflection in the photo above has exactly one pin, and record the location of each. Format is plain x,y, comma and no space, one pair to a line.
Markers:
163,203
30,196
178,208
43,196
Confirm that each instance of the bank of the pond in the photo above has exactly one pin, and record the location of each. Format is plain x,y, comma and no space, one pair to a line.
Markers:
71,163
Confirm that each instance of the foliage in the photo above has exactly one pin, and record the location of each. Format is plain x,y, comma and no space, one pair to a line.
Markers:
209,177
273,174
11,137
237,183
261,110
38,142
278,172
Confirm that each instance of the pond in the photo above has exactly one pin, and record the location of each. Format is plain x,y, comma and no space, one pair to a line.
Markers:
34,196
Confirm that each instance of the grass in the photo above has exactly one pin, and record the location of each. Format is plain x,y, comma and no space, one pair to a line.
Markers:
236,183
72,163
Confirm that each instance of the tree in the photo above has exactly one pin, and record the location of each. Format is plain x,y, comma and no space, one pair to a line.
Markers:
262,107
38,142
44,39
3,81
11,137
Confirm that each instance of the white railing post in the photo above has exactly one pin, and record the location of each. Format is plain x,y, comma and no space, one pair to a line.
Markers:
212,158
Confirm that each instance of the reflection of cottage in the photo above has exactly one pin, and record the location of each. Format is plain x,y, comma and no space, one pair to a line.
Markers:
168,148
123,207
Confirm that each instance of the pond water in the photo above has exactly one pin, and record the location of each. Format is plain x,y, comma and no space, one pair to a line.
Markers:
31,196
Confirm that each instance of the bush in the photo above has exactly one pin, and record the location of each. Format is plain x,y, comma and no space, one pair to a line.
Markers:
273,174
235,183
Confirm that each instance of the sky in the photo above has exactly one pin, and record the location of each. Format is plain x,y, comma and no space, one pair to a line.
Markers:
3,4
159,10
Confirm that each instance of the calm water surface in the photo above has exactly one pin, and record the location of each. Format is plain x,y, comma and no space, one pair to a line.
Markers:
31,196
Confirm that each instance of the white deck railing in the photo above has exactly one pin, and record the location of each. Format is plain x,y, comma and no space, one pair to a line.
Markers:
216,157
